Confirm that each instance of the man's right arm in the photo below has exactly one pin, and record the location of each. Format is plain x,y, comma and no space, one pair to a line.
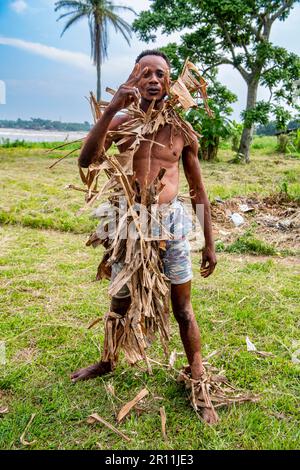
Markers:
96,139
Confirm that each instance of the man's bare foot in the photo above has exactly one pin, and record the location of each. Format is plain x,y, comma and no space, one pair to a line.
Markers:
90,372
209,415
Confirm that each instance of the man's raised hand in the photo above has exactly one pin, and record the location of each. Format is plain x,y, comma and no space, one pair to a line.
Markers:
128,92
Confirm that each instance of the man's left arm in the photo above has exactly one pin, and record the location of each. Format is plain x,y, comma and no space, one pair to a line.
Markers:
198,196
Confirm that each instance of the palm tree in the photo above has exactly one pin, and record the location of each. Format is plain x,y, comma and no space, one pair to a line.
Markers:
100,13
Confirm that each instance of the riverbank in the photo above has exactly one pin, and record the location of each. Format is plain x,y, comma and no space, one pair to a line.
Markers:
32,135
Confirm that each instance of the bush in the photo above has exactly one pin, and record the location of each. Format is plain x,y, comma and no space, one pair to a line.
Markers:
248,244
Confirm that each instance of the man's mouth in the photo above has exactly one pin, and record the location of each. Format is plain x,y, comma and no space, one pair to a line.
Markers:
153,90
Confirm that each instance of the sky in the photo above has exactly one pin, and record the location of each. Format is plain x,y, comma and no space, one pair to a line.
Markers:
49,76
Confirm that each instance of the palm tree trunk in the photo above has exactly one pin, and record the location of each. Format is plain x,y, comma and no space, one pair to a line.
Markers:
98,79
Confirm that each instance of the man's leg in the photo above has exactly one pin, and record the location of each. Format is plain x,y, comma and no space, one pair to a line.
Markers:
178,268
189,330
119,306
190,336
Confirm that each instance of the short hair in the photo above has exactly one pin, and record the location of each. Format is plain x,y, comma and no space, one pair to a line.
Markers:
153,52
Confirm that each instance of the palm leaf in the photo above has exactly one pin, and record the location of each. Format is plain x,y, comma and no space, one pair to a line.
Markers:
72,20
122,7
120,25
76,4
99,14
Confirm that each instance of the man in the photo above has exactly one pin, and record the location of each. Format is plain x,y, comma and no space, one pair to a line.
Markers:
149,81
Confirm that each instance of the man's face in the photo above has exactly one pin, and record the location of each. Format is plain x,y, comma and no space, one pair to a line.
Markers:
152,84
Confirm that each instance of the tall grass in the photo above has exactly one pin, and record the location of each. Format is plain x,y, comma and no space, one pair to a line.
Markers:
23,144
264,142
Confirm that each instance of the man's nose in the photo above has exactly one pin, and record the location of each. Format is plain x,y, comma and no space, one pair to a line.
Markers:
153,78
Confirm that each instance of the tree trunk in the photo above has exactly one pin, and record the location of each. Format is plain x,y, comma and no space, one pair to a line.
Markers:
208,151
98,79
247,134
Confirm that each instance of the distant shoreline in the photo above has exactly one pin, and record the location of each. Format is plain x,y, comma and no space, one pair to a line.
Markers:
40,124
44,135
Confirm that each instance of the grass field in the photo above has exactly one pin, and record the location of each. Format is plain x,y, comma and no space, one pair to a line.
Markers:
49,297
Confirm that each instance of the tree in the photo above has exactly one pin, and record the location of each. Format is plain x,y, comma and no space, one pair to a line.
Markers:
233,32
100,13
211,129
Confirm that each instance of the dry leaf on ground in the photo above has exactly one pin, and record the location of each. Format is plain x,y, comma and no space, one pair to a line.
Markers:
163,422
96,418
22,438
128,407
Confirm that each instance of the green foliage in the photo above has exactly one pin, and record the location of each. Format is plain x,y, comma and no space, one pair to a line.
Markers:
266,129
257,114
289,188
212,129
289,143
219,246
282,116
284,188
236,33
271,127
249,244
236,132
296,141
263,267
282,143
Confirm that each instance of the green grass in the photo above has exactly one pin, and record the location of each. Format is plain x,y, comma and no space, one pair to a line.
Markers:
49,297
264,142
248,244
34,196
23,144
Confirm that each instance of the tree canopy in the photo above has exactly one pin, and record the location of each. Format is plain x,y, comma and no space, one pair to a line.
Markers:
235,33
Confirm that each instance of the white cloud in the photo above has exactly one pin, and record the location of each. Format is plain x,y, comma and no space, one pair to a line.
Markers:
19,6
76,59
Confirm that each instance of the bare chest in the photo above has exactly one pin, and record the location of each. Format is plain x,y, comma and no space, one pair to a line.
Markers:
160,150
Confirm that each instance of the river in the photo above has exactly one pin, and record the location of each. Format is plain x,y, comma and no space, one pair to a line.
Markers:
31,135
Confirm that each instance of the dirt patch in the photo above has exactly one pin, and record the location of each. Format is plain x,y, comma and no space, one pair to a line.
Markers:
273,219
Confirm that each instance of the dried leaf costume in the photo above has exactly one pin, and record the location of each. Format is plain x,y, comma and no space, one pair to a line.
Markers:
142,269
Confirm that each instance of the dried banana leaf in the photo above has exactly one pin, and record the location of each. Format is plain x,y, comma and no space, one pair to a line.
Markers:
212,390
